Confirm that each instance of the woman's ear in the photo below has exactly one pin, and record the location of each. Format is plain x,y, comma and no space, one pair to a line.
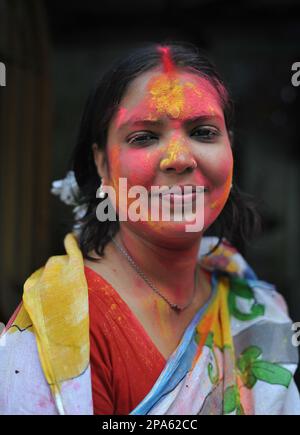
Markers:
100,161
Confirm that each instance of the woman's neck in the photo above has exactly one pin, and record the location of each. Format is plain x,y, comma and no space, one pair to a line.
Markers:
170,269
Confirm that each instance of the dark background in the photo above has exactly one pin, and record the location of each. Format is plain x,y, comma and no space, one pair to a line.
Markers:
55,50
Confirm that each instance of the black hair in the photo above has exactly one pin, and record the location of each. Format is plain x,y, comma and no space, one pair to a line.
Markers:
239,219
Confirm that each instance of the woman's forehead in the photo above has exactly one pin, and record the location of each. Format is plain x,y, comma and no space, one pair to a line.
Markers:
155,94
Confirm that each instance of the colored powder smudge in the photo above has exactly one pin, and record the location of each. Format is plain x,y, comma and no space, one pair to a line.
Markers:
223,197
174,149
168,64
121,116
161,309
167,96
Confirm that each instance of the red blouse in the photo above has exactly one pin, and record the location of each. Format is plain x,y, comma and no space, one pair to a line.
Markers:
125,363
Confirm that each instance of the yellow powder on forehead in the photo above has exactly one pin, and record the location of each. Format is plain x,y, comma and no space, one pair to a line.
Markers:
167,95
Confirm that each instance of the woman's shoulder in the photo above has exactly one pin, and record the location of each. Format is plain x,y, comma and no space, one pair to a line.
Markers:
101,294
223,256
251,294
258,312
50,331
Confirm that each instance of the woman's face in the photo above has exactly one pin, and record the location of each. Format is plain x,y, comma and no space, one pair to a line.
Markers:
170,131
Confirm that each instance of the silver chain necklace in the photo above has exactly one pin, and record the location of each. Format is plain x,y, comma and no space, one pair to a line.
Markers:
133,264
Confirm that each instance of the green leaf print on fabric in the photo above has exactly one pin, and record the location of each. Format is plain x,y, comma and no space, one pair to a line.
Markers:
210,340
230,399
214,377
240,288
213,370
272,373
248,357
232,402
253,369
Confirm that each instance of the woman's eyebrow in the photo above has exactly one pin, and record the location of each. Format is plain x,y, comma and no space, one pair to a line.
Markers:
203,118
136,121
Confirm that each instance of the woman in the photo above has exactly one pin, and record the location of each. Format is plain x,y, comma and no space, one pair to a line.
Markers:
147,314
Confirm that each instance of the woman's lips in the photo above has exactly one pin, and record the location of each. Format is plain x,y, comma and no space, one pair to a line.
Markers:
184,189
181,199
181,194
177,190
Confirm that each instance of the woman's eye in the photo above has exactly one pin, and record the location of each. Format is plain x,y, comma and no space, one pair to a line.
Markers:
142,139
205,134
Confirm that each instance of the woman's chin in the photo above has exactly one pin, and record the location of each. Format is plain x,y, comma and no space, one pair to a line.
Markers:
174,233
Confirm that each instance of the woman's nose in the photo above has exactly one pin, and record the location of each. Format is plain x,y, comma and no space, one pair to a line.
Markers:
178,159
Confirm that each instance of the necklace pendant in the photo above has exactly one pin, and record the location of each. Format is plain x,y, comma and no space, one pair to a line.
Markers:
176,308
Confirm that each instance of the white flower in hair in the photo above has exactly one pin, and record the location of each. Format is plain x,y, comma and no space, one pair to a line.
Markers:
67,189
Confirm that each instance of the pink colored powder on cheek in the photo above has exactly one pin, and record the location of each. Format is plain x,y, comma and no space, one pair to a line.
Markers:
222,193
140,166
137,164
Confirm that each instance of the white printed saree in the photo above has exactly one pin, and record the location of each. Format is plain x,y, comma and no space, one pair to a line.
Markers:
235,357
